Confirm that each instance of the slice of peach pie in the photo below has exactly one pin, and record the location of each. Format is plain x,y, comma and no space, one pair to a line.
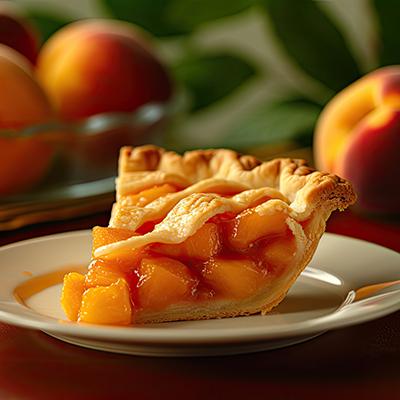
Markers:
208,234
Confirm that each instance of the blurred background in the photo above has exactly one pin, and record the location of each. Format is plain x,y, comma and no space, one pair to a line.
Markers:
251,75
236,58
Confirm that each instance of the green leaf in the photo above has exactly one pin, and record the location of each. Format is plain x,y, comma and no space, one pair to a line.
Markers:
210,77
47,22
192,13
273,123
311,38
173,17
152,15
388,14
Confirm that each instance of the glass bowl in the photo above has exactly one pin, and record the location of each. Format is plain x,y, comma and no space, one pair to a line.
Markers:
61,160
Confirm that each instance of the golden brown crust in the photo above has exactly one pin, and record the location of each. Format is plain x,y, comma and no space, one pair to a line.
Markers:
301,184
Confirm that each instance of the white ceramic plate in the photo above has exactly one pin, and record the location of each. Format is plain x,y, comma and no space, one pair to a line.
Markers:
324,297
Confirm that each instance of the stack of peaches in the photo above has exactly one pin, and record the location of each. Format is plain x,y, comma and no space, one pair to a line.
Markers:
86,68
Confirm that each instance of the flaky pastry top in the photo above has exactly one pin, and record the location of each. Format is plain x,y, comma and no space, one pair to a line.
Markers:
146,166
204,177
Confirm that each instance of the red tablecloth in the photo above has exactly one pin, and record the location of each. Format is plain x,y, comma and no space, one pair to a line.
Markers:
362,362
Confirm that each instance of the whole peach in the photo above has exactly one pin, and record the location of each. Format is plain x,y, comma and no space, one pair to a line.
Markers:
23,160
96,66
17,32
358,137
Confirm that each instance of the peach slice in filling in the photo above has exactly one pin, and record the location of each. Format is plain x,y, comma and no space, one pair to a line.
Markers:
71,296
277,253
103,273
204,244
250,225
164,281
234,278
148,195
107,304
103,236
125,260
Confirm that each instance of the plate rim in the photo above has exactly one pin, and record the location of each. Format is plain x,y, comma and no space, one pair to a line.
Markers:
188,336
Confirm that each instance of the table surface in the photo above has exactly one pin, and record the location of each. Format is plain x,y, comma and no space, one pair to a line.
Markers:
362,361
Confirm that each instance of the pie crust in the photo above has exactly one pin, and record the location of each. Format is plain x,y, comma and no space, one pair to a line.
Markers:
210,184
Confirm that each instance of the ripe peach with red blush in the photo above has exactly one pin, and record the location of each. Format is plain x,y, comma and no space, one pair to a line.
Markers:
98,66
358,138
23,160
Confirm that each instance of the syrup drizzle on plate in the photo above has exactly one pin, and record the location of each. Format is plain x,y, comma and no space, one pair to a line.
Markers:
38,283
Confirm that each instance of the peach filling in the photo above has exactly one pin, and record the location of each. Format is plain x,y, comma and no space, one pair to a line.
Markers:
164,281
204,244
230,257
146,196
